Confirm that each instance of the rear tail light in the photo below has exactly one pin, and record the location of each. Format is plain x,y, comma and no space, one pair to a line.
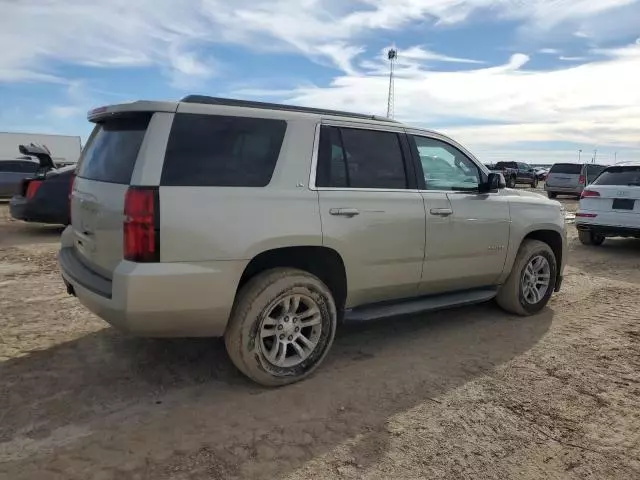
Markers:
589,193
141,225
32,188
582,180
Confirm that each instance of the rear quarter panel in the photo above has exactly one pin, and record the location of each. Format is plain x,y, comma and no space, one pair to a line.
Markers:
237,223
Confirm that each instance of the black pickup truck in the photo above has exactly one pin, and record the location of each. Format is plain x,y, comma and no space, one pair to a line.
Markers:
517,172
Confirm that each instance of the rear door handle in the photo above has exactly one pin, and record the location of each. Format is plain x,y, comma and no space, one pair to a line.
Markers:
344,212
441,212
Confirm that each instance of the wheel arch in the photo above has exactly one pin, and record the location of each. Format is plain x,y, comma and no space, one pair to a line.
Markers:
554,239
323,262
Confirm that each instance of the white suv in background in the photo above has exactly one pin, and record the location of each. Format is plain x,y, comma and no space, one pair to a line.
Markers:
610,206
267,224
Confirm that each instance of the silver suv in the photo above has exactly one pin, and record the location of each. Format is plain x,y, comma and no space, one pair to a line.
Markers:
269,224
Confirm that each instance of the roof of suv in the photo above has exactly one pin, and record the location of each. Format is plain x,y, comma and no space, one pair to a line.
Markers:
159,106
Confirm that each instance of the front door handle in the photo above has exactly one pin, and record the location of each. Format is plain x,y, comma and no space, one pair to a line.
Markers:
344,212
441,212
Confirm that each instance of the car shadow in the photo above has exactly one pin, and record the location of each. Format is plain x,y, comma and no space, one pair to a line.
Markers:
181,402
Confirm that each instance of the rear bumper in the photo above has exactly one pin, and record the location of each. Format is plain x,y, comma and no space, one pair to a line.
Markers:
565,190
157,300
609,230
36,211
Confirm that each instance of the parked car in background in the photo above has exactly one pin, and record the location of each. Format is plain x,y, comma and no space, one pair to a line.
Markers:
541,173
12,172
610,206
267,224
44,196
517,172
571,178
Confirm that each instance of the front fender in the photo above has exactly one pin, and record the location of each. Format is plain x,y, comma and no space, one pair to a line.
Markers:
530,218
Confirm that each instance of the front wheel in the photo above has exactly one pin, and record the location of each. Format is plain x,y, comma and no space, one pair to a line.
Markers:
590,238
282,326
511,182
531,281
534,183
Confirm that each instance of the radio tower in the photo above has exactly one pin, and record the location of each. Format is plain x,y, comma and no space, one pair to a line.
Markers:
392,55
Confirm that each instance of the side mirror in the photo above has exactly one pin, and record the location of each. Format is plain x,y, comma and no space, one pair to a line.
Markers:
494,182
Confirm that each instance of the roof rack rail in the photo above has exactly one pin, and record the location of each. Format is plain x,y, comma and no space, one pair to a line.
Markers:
278,106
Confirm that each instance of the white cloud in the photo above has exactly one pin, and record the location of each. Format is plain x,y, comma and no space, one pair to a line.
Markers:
121,33
596,102
571,59
420,53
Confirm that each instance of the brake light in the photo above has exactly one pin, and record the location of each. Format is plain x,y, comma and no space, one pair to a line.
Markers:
141,225
32,188
582,180
589,193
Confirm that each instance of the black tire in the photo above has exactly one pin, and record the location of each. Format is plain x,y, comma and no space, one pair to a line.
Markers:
252,305
511,182
511,296
534,184
589,238
552,194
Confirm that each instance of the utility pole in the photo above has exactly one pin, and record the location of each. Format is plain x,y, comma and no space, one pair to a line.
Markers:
615,157
595,154
392,56
580,156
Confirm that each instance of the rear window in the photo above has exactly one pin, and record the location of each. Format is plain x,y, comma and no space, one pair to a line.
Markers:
567,168
220,151
629,175
592,171
110,155
501,165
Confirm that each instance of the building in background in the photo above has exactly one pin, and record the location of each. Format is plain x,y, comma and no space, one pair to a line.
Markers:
65,149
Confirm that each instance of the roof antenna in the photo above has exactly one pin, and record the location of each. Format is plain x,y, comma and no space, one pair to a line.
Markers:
392,56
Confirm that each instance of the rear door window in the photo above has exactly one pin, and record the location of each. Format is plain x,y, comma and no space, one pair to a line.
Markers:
622,176
111,153
221,151
359,158
567,168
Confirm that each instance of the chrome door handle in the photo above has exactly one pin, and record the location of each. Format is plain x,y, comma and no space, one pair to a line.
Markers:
441,212
344,212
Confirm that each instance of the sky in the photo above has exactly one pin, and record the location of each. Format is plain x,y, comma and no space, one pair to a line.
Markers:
528,80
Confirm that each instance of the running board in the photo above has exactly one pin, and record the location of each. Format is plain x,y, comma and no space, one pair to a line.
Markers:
419,305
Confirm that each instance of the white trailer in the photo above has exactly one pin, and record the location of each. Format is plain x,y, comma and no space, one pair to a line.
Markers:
65,149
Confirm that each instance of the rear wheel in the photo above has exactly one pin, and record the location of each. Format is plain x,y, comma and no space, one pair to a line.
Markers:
590,238
531,281
282,326
552,194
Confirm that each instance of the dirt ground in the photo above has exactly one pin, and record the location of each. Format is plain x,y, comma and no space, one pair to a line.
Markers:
466,393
